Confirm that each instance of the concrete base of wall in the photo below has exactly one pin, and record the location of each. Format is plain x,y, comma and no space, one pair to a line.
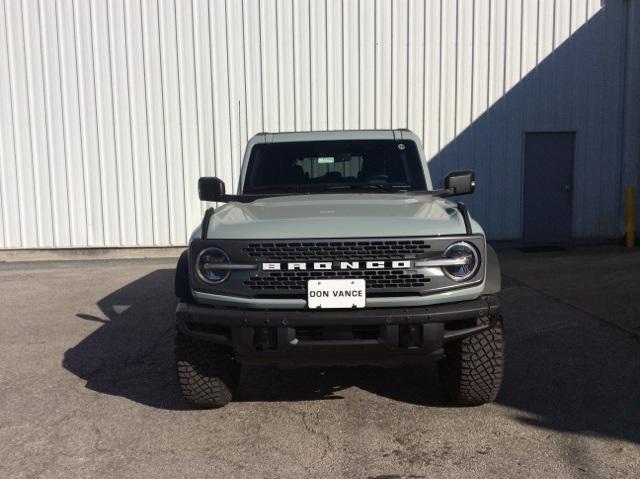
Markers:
84,254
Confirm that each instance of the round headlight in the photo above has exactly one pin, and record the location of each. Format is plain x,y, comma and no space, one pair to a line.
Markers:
467,262
208,266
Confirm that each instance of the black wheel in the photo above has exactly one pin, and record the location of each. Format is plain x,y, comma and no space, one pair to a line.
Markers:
473,366
207,373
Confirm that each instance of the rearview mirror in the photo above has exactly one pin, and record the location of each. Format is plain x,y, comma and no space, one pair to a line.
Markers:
210,188
460,182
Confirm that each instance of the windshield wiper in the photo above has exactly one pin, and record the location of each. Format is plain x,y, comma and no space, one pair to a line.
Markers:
276,188
370,186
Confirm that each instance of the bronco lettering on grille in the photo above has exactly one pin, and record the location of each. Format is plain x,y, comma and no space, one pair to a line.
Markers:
342,265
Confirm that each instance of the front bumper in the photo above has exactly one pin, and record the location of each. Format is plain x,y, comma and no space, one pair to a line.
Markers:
337,337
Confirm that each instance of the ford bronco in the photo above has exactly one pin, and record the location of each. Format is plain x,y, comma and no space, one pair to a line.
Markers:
337,250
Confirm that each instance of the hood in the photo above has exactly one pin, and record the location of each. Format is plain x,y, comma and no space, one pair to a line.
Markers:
339,215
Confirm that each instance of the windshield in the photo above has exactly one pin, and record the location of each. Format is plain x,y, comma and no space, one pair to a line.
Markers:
366,165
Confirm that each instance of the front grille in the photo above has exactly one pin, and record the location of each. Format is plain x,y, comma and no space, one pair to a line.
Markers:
337,250
297,280
283,283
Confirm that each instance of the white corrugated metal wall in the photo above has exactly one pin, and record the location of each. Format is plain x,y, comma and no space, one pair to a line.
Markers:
111,109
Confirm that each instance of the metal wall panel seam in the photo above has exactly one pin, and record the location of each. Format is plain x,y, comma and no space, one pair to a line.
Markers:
92,193
4,123
616,33
116,143
163,134
579,105
342,55
104,121
229,98
497,109
366,66
196,90
38,116
55,141
188,111
623,45
75,110
235,60
593,140
277,62
415,84
204,102
261,64
285,58
17,157
244,66
375,61
172,124
408,54
46,118
359,48
392,46
326,61
26,53
512,188
439,95
122,122
148,133
131,136
105,223
219,54
424,80
293,59
335,49
136,85
310,72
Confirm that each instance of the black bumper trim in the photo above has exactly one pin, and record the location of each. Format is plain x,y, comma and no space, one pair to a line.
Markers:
241,329
481,307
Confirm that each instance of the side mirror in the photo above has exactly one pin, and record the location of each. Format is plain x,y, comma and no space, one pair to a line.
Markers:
460,182
210,188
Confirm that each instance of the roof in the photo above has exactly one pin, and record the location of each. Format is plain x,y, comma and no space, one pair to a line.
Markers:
328,135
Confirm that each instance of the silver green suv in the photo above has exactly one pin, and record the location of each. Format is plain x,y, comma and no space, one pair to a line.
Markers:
337,250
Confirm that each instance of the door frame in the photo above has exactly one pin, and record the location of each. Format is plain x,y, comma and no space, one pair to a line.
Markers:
522,172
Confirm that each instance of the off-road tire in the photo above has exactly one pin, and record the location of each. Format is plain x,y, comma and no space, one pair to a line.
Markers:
473,367
207,373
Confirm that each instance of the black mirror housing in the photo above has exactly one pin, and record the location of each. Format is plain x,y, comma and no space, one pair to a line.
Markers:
210,188
460,182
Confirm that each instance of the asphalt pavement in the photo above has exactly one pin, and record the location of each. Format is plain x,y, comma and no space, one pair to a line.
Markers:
88,388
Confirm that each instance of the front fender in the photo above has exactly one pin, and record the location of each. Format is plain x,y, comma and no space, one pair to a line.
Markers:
182,285
493,280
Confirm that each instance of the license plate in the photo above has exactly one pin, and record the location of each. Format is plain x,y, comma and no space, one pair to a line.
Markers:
336,293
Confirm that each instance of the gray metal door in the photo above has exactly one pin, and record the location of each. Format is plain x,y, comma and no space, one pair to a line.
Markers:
548,185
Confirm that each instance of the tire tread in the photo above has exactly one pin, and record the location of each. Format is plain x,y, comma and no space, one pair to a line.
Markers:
474,367
207,373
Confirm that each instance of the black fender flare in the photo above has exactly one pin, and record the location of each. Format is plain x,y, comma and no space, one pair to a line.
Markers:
493,279
182,283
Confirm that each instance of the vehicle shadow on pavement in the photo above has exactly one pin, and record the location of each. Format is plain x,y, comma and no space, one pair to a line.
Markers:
565,371
417,384
131,355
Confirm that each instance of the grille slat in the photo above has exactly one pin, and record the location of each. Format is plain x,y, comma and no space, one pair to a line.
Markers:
334,251
297,280
337,251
